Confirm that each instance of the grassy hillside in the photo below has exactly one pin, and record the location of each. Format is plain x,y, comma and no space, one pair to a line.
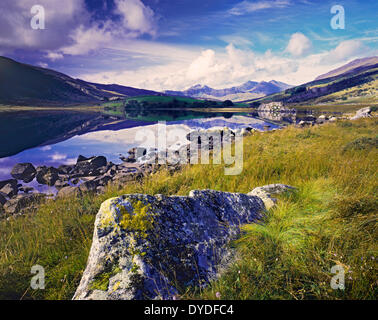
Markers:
25,84
349,66
22,84
331,219
355,86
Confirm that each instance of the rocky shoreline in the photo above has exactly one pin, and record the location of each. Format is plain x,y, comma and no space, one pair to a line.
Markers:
95,173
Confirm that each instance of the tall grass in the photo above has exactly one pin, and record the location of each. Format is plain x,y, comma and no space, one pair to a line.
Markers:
330,219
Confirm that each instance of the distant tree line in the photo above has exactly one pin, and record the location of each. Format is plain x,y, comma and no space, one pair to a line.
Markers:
175,104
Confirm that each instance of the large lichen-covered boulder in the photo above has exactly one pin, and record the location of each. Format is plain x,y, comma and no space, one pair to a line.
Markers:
151,247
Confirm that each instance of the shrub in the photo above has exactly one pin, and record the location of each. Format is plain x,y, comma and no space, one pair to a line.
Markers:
362,143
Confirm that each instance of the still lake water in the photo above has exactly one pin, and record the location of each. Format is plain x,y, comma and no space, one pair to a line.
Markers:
53,138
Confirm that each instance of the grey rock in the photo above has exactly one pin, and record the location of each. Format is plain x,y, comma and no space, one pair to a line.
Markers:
81,158
304,123
59,184
22,202
65,169
138,152
47,175
26,189
100,189
13,182
88,186
122,178
68,192
9,190
362,113
24,171
3,198
93,184
267,191
183,246
90,166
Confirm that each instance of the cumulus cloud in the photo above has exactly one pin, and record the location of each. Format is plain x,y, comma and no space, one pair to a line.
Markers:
58,156
86,39
345,50
298,45
70,28
61,17
136,16
54,56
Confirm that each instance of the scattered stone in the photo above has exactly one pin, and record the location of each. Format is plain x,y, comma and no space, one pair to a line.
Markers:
81,158
90,166
362,113
100,189
24,171
47,175
265,193
65,169
22,202
122,178
303,123
88,186
59,184
68,192
26,189
9,190
13,182
3,198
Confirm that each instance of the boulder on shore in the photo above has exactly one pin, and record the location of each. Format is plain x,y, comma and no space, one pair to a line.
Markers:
13,182
89,166
9,190
68,192
47,175
146,247
3,198
22,202
24,171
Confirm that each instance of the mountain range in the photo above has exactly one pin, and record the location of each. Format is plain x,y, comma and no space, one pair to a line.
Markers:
248,90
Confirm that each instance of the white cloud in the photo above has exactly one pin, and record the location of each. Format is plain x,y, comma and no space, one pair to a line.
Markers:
249,6
70,28
58,156
86,40
42,64
236,40
345,50
136,16
54,56
60,18
298,45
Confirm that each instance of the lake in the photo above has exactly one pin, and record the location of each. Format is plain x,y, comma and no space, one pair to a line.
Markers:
56,137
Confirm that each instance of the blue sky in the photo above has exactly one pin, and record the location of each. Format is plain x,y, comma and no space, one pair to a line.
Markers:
174,44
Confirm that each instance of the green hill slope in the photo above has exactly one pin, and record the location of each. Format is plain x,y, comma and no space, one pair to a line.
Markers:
22,84
359,85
